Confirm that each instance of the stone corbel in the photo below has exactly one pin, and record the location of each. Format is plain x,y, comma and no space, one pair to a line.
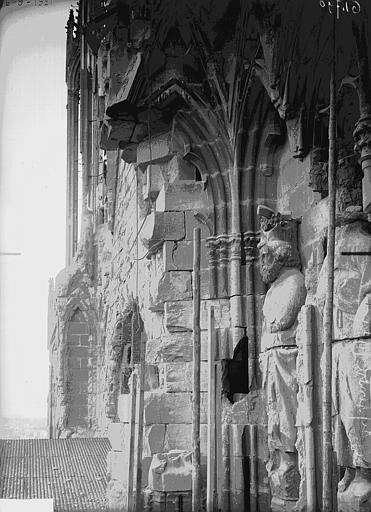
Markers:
273,138
160,227
154,182
115,133
295,132
129,152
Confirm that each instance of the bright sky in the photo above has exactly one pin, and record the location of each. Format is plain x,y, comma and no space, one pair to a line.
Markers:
32,195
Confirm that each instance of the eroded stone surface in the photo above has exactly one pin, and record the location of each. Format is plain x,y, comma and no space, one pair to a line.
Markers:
351,360
171,471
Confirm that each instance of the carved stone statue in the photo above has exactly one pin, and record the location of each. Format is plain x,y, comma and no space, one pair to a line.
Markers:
351,353
279,268
348,178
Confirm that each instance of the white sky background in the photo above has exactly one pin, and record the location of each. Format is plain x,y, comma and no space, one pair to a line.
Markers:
32,196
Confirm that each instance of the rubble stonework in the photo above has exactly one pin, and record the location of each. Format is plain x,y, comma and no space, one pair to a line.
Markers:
192,114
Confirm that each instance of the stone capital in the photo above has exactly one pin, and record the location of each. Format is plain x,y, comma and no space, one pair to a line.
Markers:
250,242
362,135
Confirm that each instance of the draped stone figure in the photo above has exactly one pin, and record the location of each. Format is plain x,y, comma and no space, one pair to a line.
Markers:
351,360
279,268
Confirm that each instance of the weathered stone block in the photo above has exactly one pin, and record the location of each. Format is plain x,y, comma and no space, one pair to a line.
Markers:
146,463
119,436
180,196
118,466
174,285
116,496
151,379
124,408
178,168
85,340
174,347
179,376
79,400
161,226
155,181
179,315
158,147
171,407
76,351
179,255
191,223
153,440
179,437
79,375
78,418
73,340
171,471
74,363
205,283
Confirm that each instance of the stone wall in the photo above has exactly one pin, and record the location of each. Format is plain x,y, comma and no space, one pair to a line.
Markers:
155,267
200,137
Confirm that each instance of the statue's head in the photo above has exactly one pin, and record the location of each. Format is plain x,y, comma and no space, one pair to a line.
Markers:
278,243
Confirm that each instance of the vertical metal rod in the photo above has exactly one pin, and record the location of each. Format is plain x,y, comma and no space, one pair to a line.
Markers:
196,395
253,429
211,452
138,505
328,312
130,496
310,468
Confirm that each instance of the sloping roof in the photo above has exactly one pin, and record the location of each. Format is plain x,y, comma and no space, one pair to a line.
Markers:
71,471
